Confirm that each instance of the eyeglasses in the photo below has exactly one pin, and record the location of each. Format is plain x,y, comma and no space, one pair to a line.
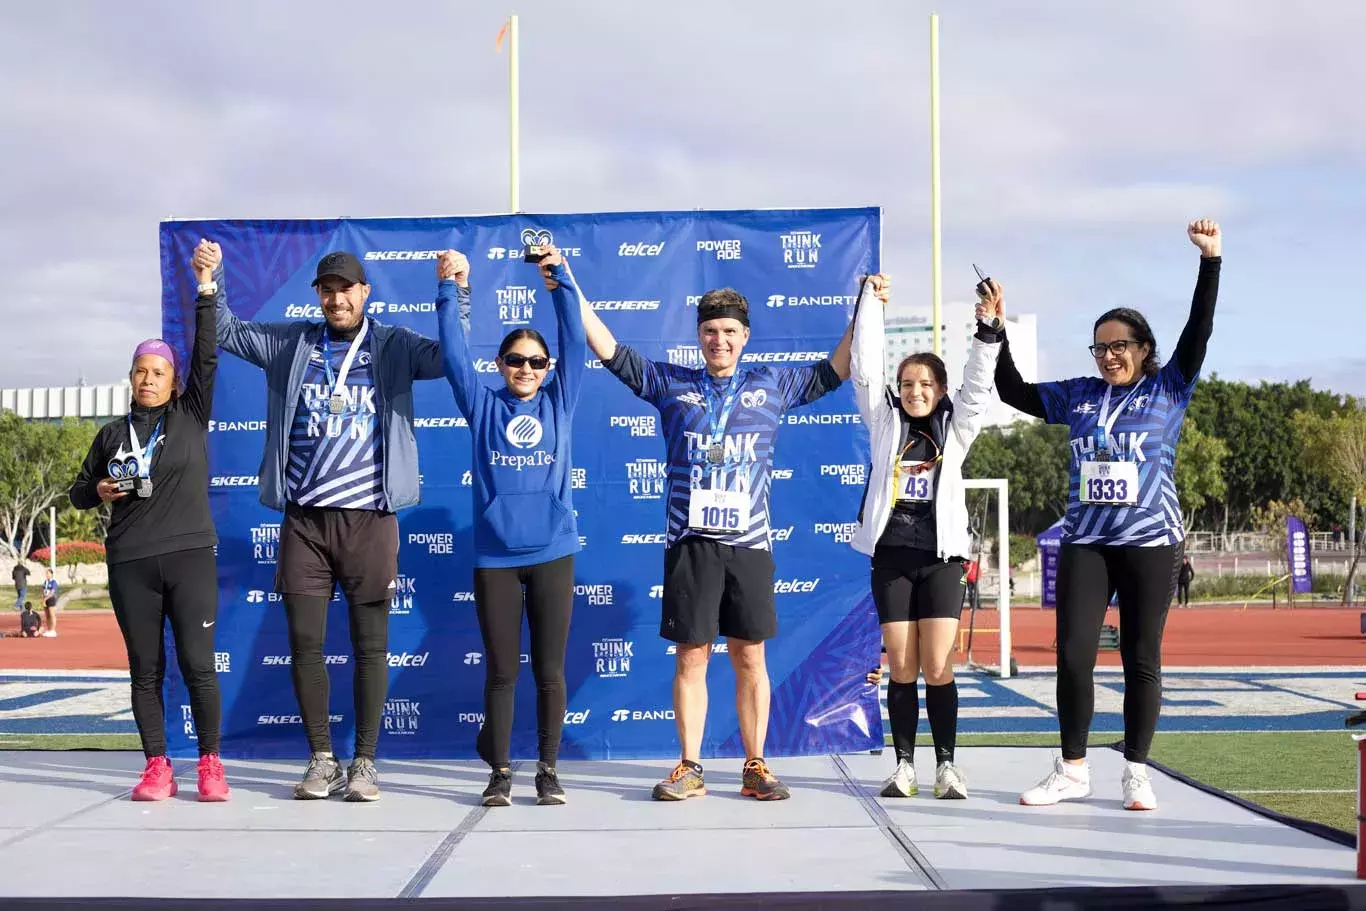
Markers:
515,361
1118,347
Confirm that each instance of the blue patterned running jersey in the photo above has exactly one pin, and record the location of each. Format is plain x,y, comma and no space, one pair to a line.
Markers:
337,460
1146,432
762,395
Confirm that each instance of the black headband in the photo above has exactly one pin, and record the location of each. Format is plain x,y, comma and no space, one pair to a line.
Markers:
730,311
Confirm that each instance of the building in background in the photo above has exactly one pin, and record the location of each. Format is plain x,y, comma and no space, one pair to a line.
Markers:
912,332
52,403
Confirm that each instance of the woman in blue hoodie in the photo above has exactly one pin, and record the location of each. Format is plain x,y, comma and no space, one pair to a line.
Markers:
525,533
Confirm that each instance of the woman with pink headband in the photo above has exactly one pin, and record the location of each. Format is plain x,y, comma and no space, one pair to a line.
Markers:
153,470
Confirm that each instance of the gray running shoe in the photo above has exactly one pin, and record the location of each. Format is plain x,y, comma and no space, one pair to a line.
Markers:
322,779
362,781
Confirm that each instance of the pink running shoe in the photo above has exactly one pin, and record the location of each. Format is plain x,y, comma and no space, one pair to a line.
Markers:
213,787
157,782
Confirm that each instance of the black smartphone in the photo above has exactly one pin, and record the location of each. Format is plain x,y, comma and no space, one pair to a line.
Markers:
983,281
533,253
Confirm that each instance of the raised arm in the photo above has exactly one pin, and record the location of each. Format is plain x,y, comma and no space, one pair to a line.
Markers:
867,364
452,270
257,343
973,398
427,363
600,338
1189,354
206,263
573,342
1010,386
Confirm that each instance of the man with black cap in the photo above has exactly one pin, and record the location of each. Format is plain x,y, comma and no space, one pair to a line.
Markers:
340,460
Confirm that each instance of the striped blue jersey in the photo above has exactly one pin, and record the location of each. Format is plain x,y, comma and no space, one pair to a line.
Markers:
1147,432
762,396
337,460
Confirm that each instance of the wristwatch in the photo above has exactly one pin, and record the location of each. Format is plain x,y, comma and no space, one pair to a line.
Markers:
208,288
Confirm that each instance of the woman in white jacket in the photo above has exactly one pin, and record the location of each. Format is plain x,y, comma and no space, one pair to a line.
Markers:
914,521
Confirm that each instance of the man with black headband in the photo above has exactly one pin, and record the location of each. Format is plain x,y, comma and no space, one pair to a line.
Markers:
719,427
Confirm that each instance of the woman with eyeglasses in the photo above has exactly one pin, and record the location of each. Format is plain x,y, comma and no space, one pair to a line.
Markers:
1122,534
525,533
913,523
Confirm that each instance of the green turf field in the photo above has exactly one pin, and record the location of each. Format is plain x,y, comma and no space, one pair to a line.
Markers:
1311,776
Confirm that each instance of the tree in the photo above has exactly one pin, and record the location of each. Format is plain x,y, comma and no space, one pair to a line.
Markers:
1336,445
83,524
38,462
1199,469
1033,458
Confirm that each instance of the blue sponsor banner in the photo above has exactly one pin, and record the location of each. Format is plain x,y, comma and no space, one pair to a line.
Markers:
1049,541
643,273
1297,555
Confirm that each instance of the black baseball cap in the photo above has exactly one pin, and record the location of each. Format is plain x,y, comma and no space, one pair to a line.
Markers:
342,265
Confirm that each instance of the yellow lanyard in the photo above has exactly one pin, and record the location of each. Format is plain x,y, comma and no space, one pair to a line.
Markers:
918,467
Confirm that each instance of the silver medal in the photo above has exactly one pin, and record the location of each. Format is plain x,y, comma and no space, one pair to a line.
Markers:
716,454
337,403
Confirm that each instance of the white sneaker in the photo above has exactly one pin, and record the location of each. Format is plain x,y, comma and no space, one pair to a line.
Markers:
50,634
1065,782
1138,790
902,783
949,783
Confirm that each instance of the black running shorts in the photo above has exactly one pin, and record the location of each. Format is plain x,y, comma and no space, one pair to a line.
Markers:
355,548
713,589
913,584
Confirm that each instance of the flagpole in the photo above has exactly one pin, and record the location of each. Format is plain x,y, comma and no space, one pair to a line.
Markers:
514,119
936,279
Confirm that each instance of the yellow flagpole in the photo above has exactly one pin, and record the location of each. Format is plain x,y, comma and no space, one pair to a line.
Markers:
935,219
514,118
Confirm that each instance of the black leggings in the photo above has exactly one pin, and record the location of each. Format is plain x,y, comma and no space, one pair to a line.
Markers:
1144,578
549,603
307,615
181,587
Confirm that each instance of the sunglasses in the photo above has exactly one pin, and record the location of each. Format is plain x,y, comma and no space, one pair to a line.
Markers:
1118,347
515,361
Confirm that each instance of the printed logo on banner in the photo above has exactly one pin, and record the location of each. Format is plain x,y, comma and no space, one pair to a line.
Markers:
849,475
578,479
303,311
630,538
795,586
291,719
265,543
401,602
597,595
647,478
473,657
528,237
234,481
463,596
187,719
467,479
643,715
781,474
717,648
783,534
841,532
236,426
402,255
377,307
625,305
801,249
222,662
435,542
439,423
821,300
803,419
612,657
484,365
724,249
641,248
516,304
287,660
401,716
656,592
408,659
642,425
572,717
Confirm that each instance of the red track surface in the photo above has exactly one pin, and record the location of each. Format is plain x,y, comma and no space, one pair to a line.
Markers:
1201,636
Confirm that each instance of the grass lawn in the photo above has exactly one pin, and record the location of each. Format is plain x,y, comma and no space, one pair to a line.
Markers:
35,596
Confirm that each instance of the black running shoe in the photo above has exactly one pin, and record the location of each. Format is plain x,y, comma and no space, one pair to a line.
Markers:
499,791
548,790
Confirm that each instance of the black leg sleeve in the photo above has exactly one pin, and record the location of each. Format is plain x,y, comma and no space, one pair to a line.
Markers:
549,606
135,591
191,579
307,615
370,640
498,602
1083,592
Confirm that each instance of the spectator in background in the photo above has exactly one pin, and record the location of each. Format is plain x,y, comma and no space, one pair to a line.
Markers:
1183,582
20,577
29,622
50,604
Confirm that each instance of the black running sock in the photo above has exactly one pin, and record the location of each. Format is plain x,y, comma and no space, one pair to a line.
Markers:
903,711
941,704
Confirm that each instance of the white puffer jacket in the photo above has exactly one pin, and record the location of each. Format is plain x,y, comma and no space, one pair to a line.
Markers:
880,407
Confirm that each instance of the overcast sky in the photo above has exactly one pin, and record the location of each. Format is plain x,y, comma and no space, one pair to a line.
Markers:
1078,140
